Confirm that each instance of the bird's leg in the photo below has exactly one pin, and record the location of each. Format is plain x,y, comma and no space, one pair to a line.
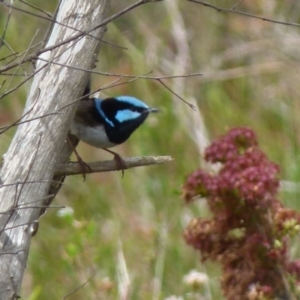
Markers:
119,160
84,166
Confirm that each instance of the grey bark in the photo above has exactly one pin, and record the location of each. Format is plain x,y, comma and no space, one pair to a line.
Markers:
39,145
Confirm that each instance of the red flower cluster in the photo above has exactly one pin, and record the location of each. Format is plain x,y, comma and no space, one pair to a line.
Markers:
249,231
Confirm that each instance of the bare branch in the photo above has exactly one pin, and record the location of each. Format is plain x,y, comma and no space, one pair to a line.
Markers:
237,4
110,165
232,10
37,8
47,19
77,36
169,89
79,288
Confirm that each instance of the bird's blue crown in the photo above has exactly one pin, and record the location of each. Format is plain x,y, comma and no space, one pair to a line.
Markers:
133,101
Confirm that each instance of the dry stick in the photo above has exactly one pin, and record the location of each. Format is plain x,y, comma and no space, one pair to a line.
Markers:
2,84
80,287
17,54
18,121
110,165
78,35
133,78
48,19
20,65
36,71
28,78
37,8
20,84
170,90
5,29
10,74
225,10
9,55
81,34
101,73
123,75
157,78
237,4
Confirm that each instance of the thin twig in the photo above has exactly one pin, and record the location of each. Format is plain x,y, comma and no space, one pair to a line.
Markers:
47,19
109,165
37,8
192,106
225,10
19,121
77,36
122,75
36,71
133,78
9,55
78,288
5,29
236,5
20,65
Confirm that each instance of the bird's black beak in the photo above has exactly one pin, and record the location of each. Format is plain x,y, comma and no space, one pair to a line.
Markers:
152,110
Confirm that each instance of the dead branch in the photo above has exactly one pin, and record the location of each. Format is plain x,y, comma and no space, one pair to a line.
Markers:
74,168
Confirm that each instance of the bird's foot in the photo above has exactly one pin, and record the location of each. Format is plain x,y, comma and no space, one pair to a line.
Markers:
83,165
119,161
85,168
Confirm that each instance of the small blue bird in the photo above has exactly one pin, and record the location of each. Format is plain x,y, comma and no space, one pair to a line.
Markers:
109,122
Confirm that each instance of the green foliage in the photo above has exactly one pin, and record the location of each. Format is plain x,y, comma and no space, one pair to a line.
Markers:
127,233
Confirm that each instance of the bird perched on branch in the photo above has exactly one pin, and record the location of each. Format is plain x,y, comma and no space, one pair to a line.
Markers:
109,122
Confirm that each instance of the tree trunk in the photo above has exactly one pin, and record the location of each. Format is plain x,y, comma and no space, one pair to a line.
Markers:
39,145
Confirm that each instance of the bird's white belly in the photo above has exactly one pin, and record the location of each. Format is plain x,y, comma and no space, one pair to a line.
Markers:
94,136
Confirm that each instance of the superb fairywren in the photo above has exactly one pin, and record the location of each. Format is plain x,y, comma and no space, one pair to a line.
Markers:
109,122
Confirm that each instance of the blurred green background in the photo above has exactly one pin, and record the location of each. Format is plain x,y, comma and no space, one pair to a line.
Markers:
122,238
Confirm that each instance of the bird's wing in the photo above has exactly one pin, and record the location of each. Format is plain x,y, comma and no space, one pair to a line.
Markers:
86,113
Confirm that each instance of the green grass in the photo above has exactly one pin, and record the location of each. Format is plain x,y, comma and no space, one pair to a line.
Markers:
125,235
